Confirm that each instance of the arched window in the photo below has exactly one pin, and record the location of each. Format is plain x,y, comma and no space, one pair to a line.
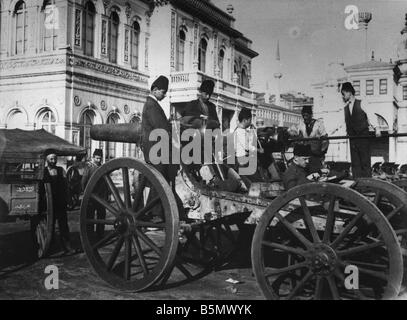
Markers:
111,146
88,28
46,120
221,60
21,27
16,120
203,45
244,81
135,40
235,72
87,120
49,31
181,50
113,35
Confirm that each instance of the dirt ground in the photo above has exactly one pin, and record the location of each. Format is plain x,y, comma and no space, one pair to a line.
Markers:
23,277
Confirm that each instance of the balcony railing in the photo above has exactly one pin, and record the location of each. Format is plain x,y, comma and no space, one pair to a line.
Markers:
181,81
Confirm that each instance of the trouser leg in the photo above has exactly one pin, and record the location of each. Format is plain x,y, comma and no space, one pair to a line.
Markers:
355,159
365,159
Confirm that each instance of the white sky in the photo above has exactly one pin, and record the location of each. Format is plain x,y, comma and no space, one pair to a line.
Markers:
312,34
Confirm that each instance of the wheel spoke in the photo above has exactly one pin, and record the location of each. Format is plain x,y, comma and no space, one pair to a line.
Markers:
372,273
364,247
105,204
318,288
284,248
395,211
115,253
377,198
148,224
148,207
347,229
96,221
287,269
136,244
308,220
294,231
300,285
149,242
330,220
126,187
184,270
110,236
127,258
138,197
333,288
114,191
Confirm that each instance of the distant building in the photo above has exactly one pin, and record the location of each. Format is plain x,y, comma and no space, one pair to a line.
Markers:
383,85
270,115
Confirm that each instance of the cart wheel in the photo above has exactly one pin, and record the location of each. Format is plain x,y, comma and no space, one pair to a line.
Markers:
304,247
392,202
134,241
204,248
42,226
401,184
73,178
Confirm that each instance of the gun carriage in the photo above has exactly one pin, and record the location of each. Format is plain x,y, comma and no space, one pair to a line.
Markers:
23,193
304,243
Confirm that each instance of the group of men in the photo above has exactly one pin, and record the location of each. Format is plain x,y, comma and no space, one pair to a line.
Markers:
308,156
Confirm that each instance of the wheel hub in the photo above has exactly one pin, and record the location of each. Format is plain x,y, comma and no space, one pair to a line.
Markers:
323,259
124,223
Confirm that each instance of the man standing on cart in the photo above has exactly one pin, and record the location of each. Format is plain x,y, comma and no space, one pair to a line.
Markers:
357,124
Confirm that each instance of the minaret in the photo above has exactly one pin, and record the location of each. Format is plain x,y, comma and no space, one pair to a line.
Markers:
278,75
364,19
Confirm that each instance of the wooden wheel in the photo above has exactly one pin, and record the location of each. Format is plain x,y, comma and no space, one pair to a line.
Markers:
304,242
202,249
401,184
392,201
73,180
134,242
42,226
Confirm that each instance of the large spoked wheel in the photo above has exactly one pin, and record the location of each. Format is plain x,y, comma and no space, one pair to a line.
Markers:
129,224
307,247
73,180
42,226
392,202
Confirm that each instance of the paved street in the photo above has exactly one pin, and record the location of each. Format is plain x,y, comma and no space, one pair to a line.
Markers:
22,277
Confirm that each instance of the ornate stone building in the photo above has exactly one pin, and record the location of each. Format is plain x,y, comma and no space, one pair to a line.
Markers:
68,64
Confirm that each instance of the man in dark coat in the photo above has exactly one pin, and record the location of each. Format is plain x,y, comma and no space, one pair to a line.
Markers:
358,124
153,117
296,173
201,111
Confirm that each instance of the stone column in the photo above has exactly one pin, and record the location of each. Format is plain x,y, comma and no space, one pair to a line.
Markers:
5,21
62,24
32,35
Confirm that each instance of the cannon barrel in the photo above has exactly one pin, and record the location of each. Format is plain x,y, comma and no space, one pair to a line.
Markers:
121,132
384,135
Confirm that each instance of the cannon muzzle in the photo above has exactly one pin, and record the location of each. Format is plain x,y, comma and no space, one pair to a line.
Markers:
122,132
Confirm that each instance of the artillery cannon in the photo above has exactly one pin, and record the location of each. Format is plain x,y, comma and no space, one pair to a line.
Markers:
304,238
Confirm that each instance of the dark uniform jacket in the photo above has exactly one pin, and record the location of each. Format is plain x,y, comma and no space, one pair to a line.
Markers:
294,176
153,117
356,124
196,108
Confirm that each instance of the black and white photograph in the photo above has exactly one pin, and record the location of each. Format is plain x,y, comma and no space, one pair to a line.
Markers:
219,151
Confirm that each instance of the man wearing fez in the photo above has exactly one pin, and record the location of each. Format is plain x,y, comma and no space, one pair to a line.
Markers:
202,112
312,128
153,117
358,124
102,189
56,176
